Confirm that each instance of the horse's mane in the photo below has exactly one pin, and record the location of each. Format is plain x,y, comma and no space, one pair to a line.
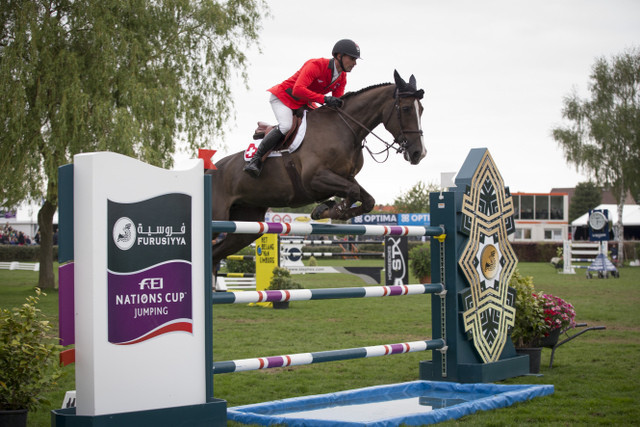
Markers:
350,94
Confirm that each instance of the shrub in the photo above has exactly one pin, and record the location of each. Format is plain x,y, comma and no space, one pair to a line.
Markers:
529,324
282,280
28,356
245,266
420,260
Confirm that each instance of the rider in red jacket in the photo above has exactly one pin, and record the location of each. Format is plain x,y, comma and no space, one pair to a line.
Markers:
307,86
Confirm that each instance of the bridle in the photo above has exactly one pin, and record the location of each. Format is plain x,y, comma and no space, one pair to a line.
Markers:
401,140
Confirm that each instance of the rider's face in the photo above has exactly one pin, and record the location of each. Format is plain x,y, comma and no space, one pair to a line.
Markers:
348,62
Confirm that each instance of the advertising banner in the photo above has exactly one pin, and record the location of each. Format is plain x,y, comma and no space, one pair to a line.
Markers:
396,260
149,268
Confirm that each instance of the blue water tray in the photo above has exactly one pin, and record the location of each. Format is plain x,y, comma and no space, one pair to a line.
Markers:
411,403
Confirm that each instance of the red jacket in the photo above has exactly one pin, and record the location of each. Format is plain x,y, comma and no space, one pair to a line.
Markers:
309,84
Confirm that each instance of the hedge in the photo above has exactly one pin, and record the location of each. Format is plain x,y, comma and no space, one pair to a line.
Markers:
25,253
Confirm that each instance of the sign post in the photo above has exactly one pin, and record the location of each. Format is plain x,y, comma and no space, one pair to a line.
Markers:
139,294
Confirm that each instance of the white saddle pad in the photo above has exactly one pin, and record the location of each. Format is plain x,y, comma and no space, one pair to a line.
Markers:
297,141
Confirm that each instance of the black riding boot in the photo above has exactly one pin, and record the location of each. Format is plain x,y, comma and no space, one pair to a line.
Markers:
273,138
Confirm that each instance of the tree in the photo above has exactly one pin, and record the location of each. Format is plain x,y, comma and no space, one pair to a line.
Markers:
128,76
587,196
603,136
416,199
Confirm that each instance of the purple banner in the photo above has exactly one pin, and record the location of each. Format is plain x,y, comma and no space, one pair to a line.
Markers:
149,303
66,304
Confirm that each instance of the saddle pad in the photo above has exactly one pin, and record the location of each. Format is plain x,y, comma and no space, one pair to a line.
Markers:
297,141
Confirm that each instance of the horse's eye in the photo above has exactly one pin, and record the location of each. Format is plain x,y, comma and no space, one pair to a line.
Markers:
406,109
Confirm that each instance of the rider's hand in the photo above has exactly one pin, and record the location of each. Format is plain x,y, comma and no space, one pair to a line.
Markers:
332,101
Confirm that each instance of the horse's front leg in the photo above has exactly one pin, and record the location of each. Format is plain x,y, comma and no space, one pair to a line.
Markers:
327,182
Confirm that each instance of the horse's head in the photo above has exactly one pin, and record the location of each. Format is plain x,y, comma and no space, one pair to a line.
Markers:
403,120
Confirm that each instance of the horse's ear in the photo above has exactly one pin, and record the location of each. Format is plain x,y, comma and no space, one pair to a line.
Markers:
412,82
400,83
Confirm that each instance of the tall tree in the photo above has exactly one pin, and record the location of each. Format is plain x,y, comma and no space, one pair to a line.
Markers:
416,199
586,196
603,134
129,76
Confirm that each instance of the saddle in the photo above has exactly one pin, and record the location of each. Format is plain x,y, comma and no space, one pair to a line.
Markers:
264,128
293,140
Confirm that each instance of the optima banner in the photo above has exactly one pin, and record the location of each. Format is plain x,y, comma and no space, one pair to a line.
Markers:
149,268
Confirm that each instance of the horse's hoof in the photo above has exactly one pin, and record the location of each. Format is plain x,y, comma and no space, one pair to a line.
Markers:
321,208
318,211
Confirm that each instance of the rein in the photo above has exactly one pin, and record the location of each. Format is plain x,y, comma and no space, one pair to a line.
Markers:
401,140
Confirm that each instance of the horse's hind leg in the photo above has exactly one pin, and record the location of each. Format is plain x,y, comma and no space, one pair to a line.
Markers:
229,245
232,243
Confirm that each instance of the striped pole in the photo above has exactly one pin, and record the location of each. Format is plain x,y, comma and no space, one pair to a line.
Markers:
324,293
286,241
241,257
331,254
236,275
324,356
245,227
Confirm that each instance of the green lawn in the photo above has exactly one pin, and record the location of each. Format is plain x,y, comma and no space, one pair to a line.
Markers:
594,375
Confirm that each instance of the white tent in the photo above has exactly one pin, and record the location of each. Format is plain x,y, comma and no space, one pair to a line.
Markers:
26,219
630,215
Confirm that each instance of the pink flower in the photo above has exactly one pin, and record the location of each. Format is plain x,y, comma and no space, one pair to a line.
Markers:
559,314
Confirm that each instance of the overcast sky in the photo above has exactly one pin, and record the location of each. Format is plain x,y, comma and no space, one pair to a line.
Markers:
494,73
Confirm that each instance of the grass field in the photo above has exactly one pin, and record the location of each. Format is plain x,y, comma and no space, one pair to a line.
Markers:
594,375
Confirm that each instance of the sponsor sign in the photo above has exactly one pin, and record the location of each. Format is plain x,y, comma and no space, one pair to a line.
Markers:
149,268
376,219
393,219
396,260
290,217
267,258
414,219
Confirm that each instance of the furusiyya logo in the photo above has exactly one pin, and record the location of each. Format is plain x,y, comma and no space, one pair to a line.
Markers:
125,235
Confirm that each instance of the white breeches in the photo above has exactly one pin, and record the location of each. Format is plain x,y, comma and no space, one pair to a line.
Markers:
283,114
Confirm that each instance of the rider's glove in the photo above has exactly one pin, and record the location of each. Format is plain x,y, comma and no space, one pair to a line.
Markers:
332,101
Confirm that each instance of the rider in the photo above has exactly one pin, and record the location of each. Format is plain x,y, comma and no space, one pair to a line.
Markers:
309,85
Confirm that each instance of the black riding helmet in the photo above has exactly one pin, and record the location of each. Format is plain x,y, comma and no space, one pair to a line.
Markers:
346,47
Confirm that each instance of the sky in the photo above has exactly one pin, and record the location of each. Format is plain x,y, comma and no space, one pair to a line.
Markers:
494,74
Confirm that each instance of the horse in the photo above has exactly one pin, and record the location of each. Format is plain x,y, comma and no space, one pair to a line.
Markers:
325,164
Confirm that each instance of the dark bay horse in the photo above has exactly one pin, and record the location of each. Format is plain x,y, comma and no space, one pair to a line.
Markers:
326,163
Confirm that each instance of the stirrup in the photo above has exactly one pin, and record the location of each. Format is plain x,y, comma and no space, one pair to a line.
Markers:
253,168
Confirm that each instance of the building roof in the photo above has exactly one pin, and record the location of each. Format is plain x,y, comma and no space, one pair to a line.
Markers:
607,196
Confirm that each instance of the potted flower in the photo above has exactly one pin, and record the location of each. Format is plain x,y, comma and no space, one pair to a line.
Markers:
282,280
420,262
559,315
28,361
529,323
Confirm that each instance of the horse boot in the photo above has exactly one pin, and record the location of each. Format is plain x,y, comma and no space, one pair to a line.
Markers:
273,138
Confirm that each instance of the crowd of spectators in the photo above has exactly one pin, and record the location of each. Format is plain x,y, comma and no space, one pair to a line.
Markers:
9,236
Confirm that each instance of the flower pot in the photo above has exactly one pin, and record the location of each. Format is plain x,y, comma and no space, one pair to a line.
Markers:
425,279
13,418
550,340
535,355
280,304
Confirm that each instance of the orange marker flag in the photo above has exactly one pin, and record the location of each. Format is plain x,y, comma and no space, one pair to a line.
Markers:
207,156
